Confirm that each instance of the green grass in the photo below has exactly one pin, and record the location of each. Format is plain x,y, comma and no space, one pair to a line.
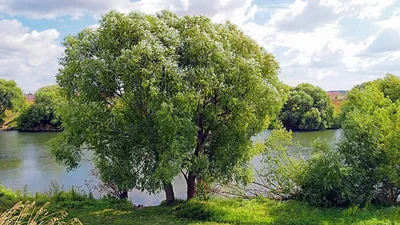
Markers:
215,211
264,211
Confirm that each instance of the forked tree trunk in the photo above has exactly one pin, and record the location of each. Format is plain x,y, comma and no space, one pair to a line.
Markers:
191,185
169,193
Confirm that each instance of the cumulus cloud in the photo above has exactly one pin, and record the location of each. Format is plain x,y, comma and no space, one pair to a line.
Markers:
387,40
391,23
364,9
303,16
307,15
28,57
319,52
305,35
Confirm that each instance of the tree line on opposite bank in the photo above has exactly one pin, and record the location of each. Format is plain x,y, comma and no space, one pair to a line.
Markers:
158,96
308,108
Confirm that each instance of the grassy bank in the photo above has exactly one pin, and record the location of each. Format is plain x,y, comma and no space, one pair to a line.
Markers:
217,211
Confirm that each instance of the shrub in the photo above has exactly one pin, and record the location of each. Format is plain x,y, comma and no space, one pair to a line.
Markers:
325,179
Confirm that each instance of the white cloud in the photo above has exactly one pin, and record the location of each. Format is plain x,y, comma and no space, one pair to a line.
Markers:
307,15
391,23
94,26
303,16
365,9
28,57
317,50
386,40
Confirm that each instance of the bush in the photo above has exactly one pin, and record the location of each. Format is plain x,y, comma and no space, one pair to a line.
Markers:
325,179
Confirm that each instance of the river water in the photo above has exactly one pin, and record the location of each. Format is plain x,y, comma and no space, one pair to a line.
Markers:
25,160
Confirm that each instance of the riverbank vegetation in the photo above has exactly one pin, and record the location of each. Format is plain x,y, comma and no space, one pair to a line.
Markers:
213,211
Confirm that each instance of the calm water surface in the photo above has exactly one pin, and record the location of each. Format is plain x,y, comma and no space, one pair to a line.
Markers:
25,159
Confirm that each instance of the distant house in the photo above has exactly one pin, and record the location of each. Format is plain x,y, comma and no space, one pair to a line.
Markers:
30,97
339,95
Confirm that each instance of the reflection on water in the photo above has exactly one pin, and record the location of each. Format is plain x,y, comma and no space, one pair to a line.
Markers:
25,159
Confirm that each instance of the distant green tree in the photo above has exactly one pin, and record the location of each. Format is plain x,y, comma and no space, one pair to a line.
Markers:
50,94
11,97
41,115
308,108
156,96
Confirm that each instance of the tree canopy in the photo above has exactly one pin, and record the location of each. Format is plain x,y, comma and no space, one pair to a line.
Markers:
11,97
41,115
156,96
308,108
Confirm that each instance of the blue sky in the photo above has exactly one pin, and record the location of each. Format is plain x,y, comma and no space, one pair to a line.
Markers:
334,44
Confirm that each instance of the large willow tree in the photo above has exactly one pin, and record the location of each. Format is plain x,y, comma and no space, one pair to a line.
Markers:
157,96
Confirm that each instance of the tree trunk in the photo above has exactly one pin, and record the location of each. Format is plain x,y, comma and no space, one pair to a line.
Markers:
191,186
169,193
123,195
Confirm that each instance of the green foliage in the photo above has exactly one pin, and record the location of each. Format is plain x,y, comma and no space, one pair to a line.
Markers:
154,96
41,115
308,108
11,97
326,180
49,95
